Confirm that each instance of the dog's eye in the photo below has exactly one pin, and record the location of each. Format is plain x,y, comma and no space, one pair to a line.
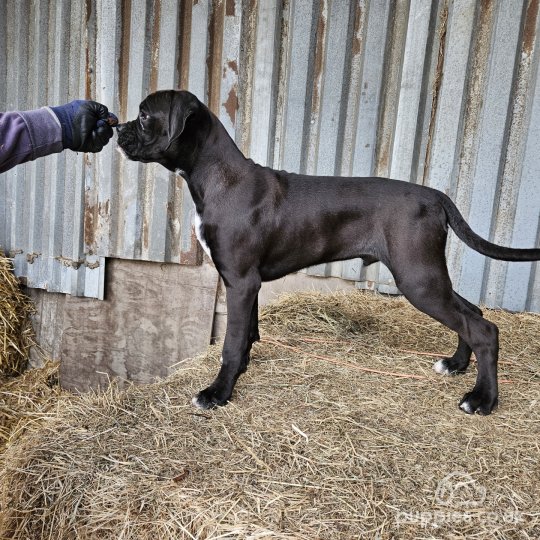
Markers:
142,118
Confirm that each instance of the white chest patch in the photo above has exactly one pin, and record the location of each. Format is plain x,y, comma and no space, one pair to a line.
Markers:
197,222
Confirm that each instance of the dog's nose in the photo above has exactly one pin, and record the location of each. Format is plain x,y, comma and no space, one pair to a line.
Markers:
120,127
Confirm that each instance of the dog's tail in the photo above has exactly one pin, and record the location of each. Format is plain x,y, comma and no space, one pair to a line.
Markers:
467,235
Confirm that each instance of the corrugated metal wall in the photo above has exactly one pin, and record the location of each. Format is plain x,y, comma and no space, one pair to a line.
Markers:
441,93
43,61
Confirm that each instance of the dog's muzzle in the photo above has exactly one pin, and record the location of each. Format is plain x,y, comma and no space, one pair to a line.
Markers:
127,140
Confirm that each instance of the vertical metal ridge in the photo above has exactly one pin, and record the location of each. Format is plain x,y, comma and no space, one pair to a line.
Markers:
266,66
474,91
364,87
510,173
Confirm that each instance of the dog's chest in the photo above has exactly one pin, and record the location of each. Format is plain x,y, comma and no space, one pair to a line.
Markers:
197,222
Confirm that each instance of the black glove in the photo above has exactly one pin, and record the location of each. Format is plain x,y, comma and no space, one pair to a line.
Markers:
86,125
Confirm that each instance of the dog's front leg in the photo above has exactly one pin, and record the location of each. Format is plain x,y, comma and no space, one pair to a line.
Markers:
239,336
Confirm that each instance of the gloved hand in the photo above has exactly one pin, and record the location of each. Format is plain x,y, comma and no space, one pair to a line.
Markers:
86,125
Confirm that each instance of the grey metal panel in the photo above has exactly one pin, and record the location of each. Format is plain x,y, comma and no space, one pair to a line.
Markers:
296,89
410,91
41,215
137,211
370,87
441,93
521,280
508,212
263,110
452,98
496,108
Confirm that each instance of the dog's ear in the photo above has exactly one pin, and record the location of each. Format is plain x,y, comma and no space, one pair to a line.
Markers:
183,105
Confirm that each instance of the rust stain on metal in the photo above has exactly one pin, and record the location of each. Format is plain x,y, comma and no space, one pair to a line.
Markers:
215,51
92,213
70,263
123,60
88,70
230,8
90,220
231,105
154,64
529,31
474,102
247,55
357,37
319,57
193,256
31,257
486,5
92,266
282,72
437,81
397,33
233,66
145,233
184,43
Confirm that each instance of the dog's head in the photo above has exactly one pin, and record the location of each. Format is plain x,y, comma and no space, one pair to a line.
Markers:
163,132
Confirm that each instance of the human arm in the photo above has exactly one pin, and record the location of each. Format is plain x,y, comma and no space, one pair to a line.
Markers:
83,126
28,135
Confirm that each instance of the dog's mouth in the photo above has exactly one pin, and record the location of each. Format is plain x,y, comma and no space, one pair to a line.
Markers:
131,146
127,141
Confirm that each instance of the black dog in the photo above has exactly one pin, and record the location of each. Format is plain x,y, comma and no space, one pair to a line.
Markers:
259,224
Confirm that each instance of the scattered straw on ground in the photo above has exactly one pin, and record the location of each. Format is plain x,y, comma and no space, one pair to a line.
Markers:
16,332
312,447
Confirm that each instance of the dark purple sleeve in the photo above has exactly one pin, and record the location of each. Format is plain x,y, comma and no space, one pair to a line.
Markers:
28,135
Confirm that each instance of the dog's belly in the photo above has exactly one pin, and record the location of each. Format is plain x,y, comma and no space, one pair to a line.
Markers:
281,268
285,258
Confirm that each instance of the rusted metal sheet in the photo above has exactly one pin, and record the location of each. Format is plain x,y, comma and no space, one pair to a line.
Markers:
43,61
441,93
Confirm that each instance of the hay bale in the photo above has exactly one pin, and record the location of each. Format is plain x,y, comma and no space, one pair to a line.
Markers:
312,447
27,399
16,332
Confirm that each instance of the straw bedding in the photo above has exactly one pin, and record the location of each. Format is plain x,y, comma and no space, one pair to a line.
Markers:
16,333
340,429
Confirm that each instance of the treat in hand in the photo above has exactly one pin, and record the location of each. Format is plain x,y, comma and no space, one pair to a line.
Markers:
86,125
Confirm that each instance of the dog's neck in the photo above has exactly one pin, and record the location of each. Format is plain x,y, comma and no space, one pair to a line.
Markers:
217,163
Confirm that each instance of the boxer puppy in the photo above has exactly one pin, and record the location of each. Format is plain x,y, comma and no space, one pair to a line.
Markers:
258,224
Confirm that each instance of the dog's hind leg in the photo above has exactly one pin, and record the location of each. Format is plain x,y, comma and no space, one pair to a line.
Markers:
460,360
254,323
426,284
253,334
241,300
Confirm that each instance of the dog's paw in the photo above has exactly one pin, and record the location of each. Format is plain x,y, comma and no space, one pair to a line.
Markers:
440,366
209,398
478,402
450,366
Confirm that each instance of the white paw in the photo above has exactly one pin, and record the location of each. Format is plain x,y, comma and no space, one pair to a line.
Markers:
440,367
467,407
195,402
